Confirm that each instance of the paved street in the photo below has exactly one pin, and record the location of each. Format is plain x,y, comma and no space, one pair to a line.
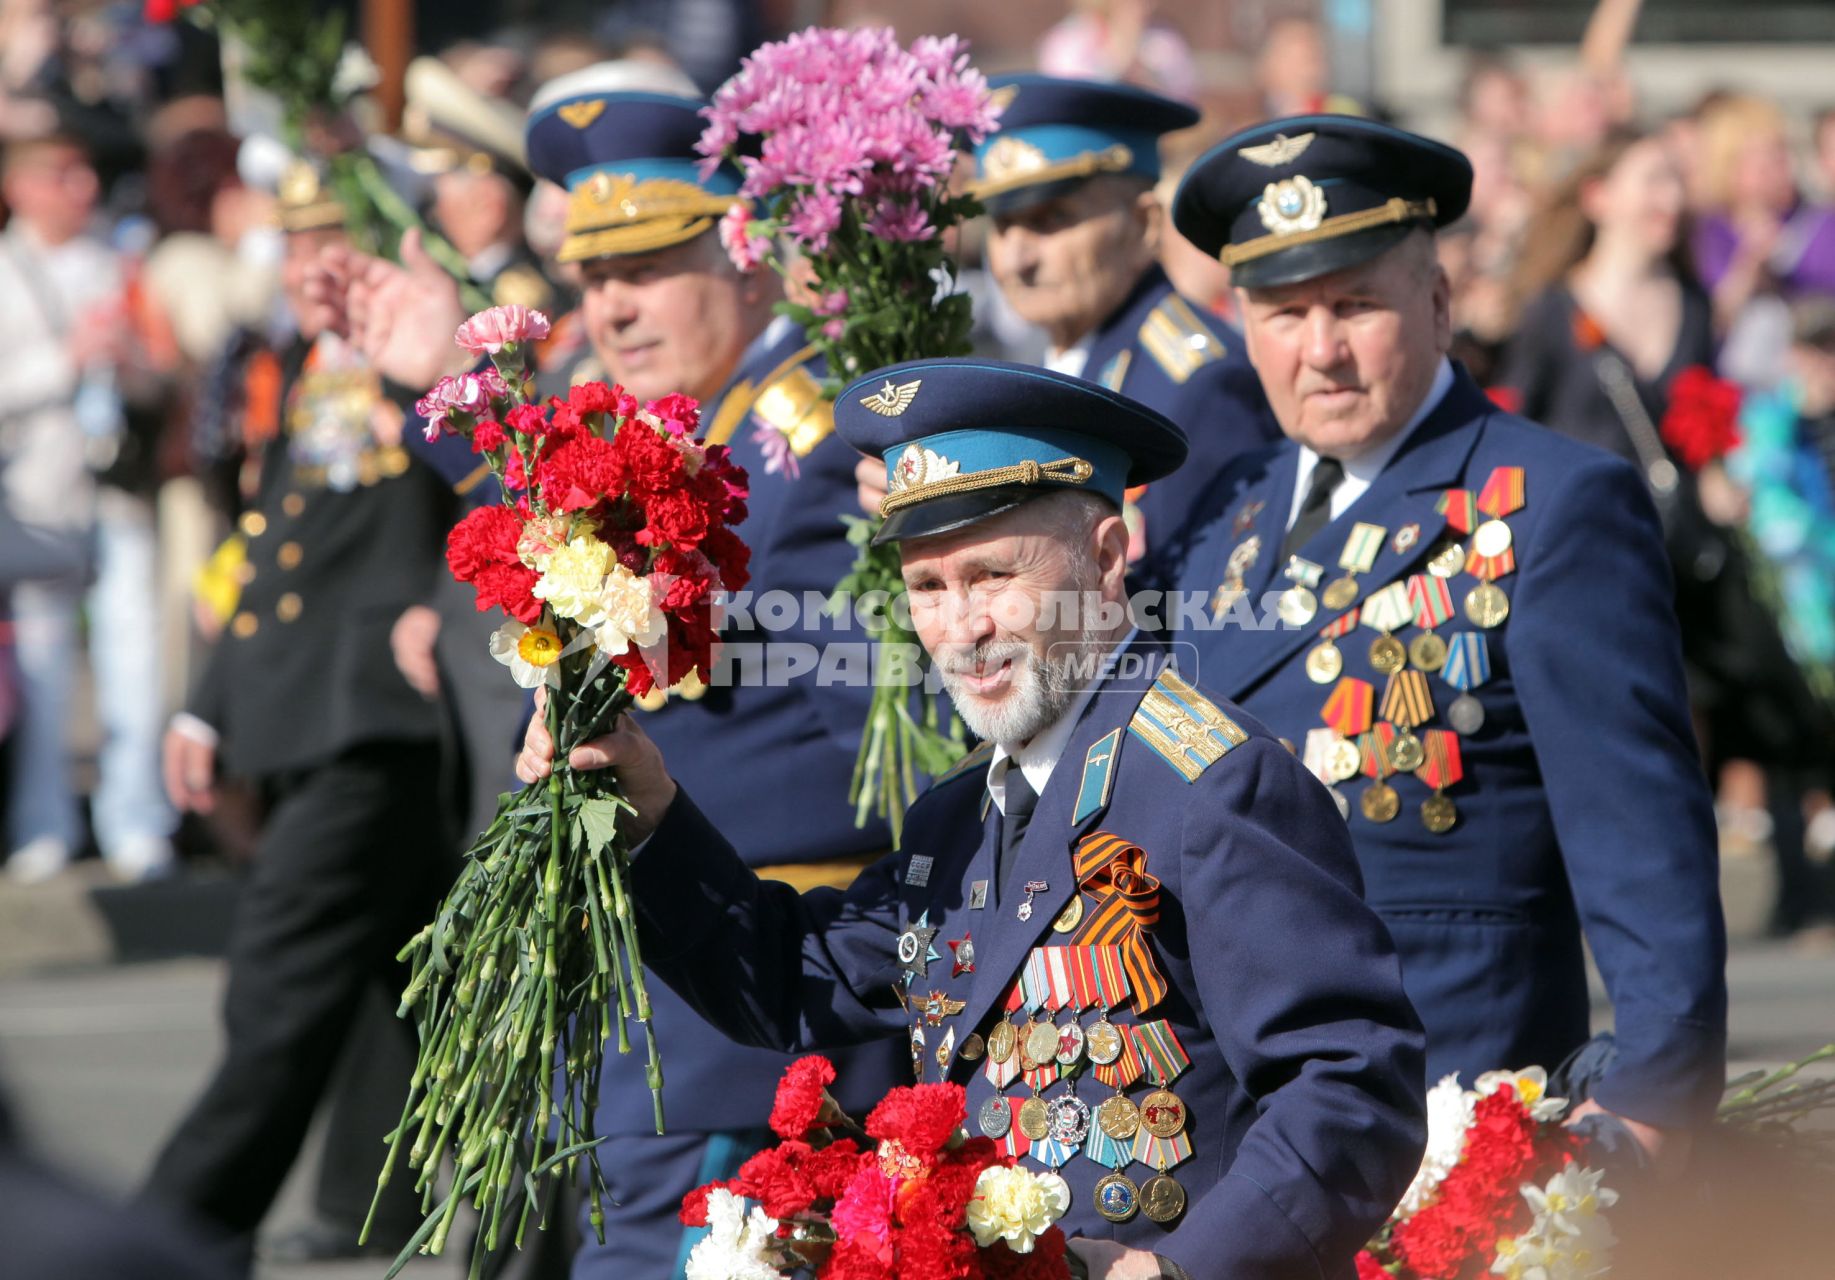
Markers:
100,1063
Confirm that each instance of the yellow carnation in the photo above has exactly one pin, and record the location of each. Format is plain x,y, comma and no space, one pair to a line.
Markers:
1015,1205
626,613
572,581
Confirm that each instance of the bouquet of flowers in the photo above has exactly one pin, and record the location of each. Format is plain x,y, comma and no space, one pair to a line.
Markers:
1701,424
607,555
847,142
1502,1191
911,1194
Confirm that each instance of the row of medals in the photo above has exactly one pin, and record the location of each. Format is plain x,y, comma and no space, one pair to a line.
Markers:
1486,606
1068,1118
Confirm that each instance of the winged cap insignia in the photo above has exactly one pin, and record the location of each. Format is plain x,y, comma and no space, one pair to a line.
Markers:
890,401
1283,150
581,114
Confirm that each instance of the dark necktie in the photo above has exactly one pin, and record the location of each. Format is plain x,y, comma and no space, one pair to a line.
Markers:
1316,510
1016,812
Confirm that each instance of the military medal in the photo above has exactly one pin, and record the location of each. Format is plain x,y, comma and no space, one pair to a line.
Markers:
1117,1198
1379,801
1487,606
1042,1042
1070,1044
1408,702
1245,517
1242,558
1297,603
945,1047
1002,1040
1348,711
1432,601
1070,917
1387,611
974,1048
938,1006
1103,1041
1446,560
1162,1113
914,950
1033,889
1325,663
1468,665
1361,548
962,955
1118,1117
1162,1198
1441,770
1493,555
1034,1118
995,1117
1068,1118
978,895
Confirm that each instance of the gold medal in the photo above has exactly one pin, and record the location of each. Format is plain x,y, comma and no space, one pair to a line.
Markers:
1406,753
1427,651
1324,663
1118,1117
1042,1042
1388,655
1344,760
1438,813
1103,1042
972,1048
1487,605
1071,916
1002,1040
1034,1118
1162,1113
1492,538
1117,1198
1023,1044
1339,593
1446,560
1296,606
1162,1198
1380,803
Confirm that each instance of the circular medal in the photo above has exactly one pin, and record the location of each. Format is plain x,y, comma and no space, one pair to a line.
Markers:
1467,714
1070,1044
1103,1042
1002,1041
1162,1198
1034,1118
1069,1119
1071,916
1406,753
1162,1114
1117,1198
1339,593
1487,605
1446,560
1324,663
908,945
995,1117
1388,655
1118,1117
1427,651
973,1048
1042,1042
1026,1061
1297,606
1343,760
1492,538
1343,802
1438,813
1380,803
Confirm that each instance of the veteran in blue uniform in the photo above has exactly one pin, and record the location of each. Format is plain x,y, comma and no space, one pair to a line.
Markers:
1130,924
1069,184
1464,621
766,748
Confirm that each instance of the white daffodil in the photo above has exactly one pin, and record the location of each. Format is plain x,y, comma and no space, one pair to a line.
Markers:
1015,1205
1531,1085
626,613
737,1245
1449,1115
529,652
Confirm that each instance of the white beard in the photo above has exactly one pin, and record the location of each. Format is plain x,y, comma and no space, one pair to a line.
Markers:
1042,690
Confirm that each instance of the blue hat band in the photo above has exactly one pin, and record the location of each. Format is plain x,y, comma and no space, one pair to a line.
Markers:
956,462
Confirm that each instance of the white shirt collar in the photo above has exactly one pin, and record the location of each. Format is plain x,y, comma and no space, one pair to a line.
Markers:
1039,756
490,260
1360,472
1071,361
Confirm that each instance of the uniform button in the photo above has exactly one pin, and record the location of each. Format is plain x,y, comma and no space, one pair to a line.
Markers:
293,504
254,524
288,557
244,625
287,607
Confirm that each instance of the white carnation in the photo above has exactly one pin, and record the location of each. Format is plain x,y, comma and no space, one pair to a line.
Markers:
738,1244
1449,1115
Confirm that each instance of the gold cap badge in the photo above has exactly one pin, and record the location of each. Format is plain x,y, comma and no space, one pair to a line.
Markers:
890,401
1283,150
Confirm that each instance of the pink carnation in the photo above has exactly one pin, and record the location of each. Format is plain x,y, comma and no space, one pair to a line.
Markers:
490,331
464,393
747,251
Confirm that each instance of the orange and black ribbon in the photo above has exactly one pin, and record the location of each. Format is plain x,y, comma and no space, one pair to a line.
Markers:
1114,874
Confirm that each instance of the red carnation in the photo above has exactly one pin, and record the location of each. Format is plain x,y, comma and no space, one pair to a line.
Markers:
694,1205
1045,1262
675,519
582,472
484,537
681,415
529,419
856,1261
1368,1268
510,587
730,555
801,1096
596,397
833,1167
776,1179
487,436
1702,422
922,1118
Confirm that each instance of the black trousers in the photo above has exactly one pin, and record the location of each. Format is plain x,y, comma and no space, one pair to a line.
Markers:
352,860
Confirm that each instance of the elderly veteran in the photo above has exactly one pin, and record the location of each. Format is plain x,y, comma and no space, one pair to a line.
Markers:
1230,1081
1476,646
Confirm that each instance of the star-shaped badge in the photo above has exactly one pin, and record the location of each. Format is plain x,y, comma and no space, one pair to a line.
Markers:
963,960
915,951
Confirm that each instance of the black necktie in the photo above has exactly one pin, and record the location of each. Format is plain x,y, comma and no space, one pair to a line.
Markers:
1016,812
1316,510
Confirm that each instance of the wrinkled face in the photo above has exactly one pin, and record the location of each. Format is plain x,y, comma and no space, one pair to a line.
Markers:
302,250
1641,197
54,188
1347,358
675,320
1065,263
1001,608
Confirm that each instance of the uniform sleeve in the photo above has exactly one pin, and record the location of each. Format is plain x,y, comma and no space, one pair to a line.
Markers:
1597,660
1303,992
766,965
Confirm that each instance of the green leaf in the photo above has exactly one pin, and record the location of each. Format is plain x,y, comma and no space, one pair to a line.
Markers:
599,819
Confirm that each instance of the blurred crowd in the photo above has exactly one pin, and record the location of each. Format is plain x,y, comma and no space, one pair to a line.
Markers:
1621,275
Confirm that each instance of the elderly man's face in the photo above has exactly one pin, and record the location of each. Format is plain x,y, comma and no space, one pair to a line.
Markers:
1065,263
1347,358
675,320
1001,606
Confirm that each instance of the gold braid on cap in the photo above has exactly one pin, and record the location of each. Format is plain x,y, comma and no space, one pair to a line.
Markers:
1065,471
1012,163
1395,209
614,213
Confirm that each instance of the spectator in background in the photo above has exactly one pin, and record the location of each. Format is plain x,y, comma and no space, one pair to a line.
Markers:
1824,137
1120,40
72,353
1294,72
